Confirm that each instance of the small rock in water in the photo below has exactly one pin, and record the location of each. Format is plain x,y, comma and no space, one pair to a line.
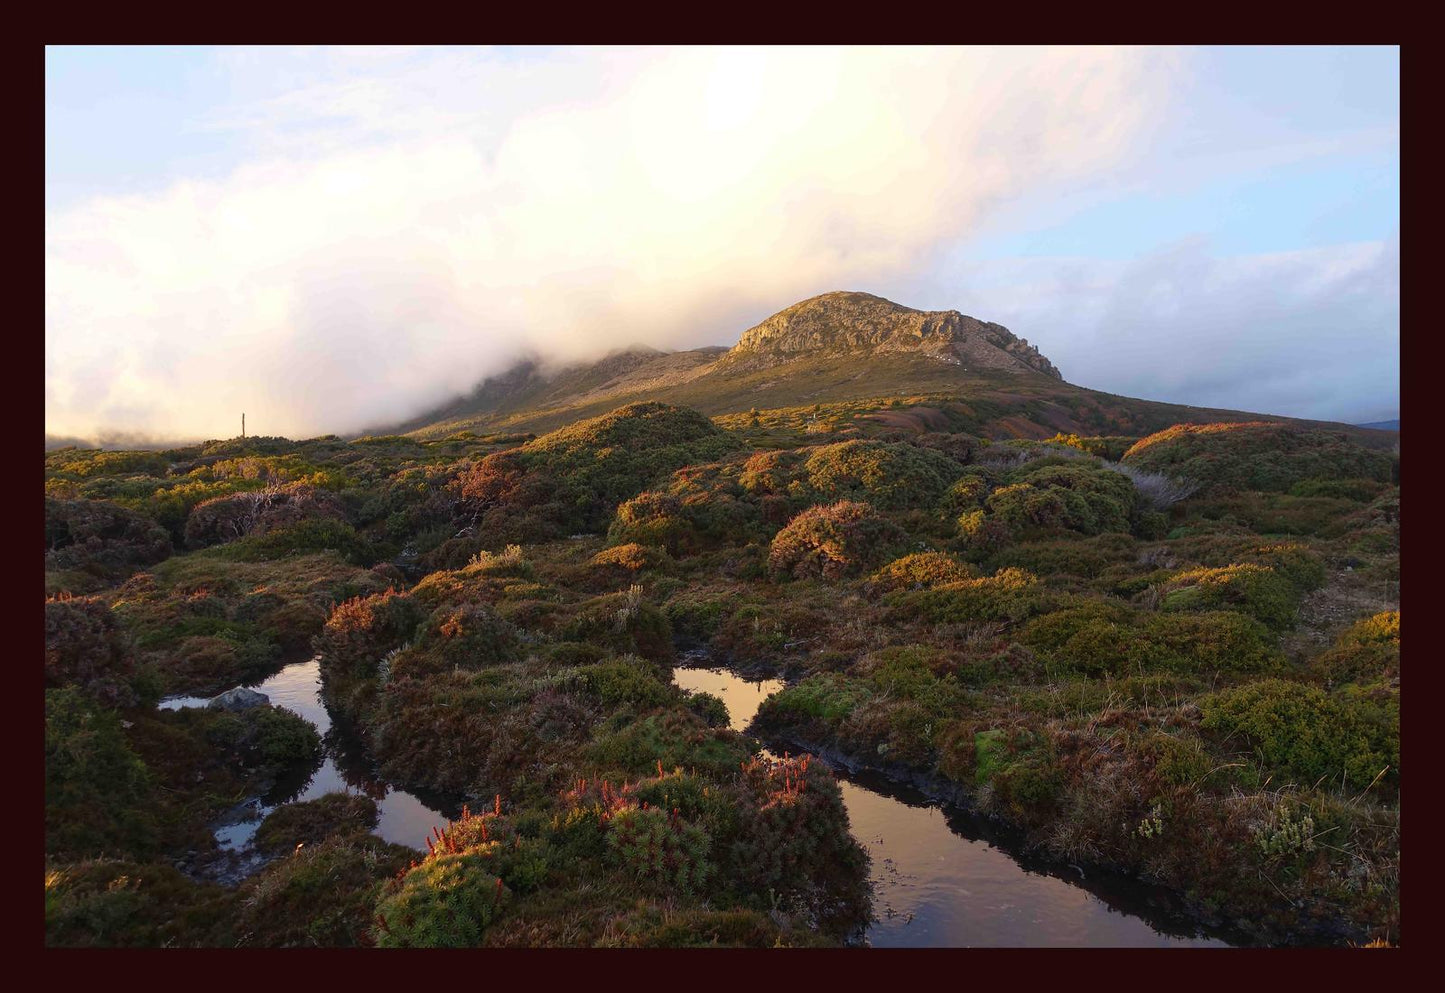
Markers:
238,698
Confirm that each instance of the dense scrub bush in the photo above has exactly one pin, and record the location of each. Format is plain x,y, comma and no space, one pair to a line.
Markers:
834,541
1048,495
271,740
471,636
86,648
1009,594
888,476
99,795
223,519
304,537
101,540
363,629
1366,652
627,681
574,478
623,622
1108,639
72,463
631,557
1304,732
793,842
678,739
1257,590
712,710
921,570
1255,456
1068,555
655,519
1110,447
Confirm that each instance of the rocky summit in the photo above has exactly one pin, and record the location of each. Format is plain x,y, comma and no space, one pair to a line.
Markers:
838,323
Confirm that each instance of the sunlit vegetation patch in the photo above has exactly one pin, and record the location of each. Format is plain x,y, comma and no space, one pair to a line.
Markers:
1257,456
1367,652
572,479
833,541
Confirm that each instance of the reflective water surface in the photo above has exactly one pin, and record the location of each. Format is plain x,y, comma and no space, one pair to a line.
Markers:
406,818
940,877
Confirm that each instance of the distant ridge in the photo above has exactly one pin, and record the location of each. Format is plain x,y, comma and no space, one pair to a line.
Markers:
848,348
1382,425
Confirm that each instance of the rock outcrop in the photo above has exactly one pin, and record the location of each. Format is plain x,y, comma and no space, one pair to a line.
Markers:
238,698
841,323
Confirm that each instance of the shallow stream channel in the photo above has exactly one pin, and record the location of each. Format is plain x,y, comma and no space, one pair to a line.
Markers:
942,876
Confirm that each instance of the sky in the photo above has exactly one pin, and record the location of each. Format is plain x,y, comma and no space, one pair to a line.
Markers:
331,239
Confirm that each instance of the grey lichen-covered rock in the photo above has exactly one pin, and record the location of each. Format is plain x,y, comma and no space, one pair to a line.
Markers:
238,698
836,323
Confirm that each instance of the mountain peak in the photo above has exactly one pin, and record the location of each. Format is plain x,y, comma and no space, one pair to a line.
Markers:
850,321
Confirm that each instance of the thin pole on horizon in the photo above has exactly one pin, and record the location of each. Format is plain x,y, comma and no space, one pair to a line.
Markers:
243,425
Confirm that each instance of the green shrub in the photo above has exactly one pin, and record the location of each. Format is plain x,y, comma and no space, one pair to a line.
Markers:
626,681
888,476
1304,732
448,901
363,629
109,903
1254,589
1107,639
661,849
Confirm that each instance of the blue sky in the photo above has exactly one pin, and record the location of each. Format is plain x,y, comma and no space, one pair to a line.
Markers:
1212,226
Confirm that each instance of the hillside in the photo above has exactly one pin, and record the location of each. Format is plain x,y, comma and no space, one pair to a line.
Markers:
850,349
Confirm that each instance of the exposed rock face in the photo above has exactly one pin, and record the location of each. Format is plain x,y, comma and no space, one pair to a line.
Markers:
837,323
238,698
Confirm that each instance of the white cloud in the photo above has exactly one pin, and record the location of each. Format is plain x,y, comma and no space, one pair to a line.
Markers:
1311,334
412,221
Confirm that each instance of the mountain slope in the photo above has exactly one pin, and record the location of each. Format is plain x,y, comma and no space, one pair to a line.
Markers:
852,349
